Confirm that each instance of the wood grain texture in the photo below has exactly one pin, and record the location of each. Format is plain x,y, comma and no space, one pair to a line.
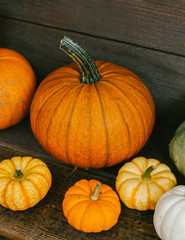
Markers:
162,73
46,219
145,36
153,24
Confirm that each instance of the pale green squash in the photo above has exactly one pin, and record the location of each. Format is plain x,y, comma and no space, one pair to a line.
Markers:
177,148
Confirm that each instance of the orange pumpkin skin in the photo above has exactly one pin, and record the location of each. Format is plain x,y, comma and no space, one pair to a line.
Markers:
92,125
17,86
89,215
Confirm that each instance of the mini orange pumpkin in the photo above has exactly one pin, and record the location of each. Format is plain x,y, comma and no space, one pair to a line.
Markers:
90,206
24,181
17,86
92,116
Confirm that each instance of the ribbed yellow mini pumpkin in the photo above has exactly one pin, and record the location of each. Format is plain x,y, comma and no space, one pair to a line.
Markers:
90,206
141,182
24,181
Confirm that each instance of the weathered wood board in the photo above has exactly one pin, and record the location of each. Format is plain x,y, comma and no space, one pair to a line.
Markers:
148,37
46,219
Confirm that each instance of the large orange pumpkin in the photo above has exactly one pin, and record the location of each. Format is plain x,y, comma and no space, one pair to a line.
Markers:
91,114
17,86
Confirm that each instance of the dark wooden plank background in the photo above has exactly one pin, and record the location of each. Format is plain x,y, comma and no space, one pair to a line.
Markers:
145,36
163,73
153,24
148,37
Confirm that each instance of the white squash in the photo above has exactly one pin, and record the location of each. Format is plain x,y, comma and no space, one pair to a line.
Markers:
169,214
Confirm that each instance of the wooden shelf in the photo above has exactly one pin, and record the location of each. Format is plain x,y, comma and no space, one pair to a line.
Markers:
146,37
46,219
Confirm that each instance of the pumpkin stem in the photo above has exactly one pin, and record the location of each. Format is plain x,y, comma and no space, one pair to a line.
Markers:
146,174
94,196
18,174
89,71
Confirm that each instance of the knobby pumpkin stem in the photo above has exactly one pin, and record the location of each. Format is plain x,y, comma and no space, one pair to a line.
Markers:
89,71
18,173
146,175
95,195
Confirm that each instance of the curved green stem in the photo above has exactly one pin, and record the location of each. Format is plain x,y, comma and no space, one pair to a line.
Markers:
18,174
146,174
95,196
89,71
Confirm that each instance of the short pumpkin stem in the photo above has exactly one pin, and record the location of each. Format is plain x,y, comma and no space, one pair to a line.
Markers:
146,174
95,196
18,174
89,71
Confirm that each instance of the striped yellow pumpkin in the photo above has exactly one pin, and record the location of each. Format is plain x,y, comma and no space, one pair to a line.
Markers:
24,181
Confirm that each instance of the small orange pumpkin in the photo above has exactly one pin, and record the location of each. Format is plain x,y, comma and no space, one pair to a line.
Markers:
24,181
92,116
90,206
17,86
